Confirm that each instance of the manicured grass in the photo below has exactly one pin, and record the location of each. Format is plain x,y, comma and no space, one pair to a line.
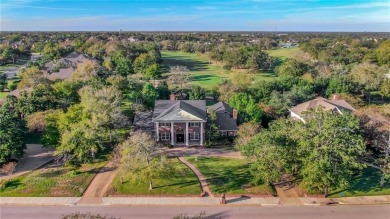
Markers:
182,182
203,73
365,184
52,181
3,94
230,176
284,53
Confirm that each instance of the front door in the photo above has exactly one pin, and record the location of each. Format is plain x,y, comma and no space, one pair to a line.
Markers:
179,138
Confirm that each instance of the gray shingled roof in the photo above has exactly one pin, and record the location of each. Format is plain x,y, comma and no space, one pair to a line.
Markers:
226,122
143,121
165,108
222,107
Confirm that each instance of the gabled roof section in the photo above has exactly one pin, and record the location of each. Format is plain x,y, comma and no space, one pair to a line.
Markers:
226,122
180,110
222,107
320,101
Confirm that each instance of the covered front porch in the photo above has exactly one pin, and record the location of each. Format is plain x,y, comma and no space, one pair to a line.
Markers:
180,133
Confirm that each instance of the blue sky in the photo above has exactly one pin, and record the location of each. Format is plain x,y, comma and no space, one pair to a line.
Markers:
195,15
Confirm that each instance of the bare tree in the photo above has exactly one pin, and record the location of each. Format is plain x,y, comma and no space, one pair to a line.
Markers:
179,76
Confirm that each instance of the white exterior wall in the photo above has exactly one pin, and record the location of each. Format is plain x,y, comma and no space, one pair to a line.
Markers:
294,115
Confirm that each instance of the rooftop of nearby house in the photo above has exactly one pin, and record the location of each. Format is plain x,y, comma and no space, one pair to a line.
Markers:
70,62
325,103
180,110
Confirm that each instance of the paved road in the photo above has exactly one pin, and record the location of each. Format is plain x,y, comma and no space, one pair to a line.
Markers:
334,212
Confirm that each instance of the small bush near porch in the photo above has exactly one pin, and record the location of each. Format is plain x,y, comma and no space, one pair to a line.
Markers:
230,176
182,182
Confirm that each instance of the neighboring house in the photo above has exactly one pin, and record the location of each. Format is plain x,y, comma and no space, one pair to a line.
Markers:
334,105
70,63
226,119
183,122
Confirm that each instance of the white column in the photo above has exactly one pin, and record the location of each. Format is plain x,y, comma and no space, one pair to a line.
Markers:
186,136
201,133
157,132
172,136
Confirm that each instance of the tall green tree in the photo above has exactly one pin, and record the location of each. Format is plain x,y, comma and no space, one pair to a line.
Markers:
141,155
369,76
12,130
292,67
149,95
248,109
330,145
197,93
153,72
323,151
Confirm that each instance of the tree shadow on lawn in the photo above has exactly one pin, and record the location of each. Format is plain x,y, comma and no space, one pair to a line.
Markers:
12,184
368,180
192,65
229,180
202,78
182,184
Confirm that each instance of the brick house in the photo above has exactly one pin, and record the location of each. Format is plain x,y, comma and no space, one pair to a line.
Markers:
183,122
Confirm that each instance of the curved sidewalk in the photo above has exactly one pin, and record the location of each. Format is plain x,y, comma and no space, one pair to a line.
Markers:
202,179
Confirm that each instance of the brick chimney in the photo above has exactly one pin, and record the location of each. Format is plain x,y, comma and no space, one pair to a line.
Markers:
336,97
235,114
172,97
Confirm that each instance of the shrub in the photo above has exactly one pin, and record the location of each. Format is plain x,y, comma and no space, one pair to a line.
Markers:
85,216
11,85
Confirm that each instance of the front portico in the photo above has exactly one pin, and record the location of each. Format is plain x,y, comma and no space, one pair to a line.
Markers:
180,133
183,123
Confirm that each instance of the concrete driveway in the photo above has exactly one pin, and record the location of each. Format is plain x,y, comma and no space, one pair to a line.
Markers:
35,156
202,152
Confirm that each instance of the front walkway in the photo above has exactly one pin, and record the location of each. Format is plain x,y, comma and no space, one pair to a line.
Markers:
35,156
202,152
201,178
288,196
99,185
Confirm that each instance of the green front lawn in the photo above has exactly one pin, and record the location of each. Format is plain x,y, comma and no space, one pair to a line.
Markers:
52,181
3,94
230,176
182,182
204,74
365,184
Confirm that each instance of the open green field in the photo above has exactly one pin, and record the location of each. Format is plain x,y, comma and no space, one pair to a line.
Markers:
182,182
364,184
230,176
52,181
203,73
284,53
3,94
